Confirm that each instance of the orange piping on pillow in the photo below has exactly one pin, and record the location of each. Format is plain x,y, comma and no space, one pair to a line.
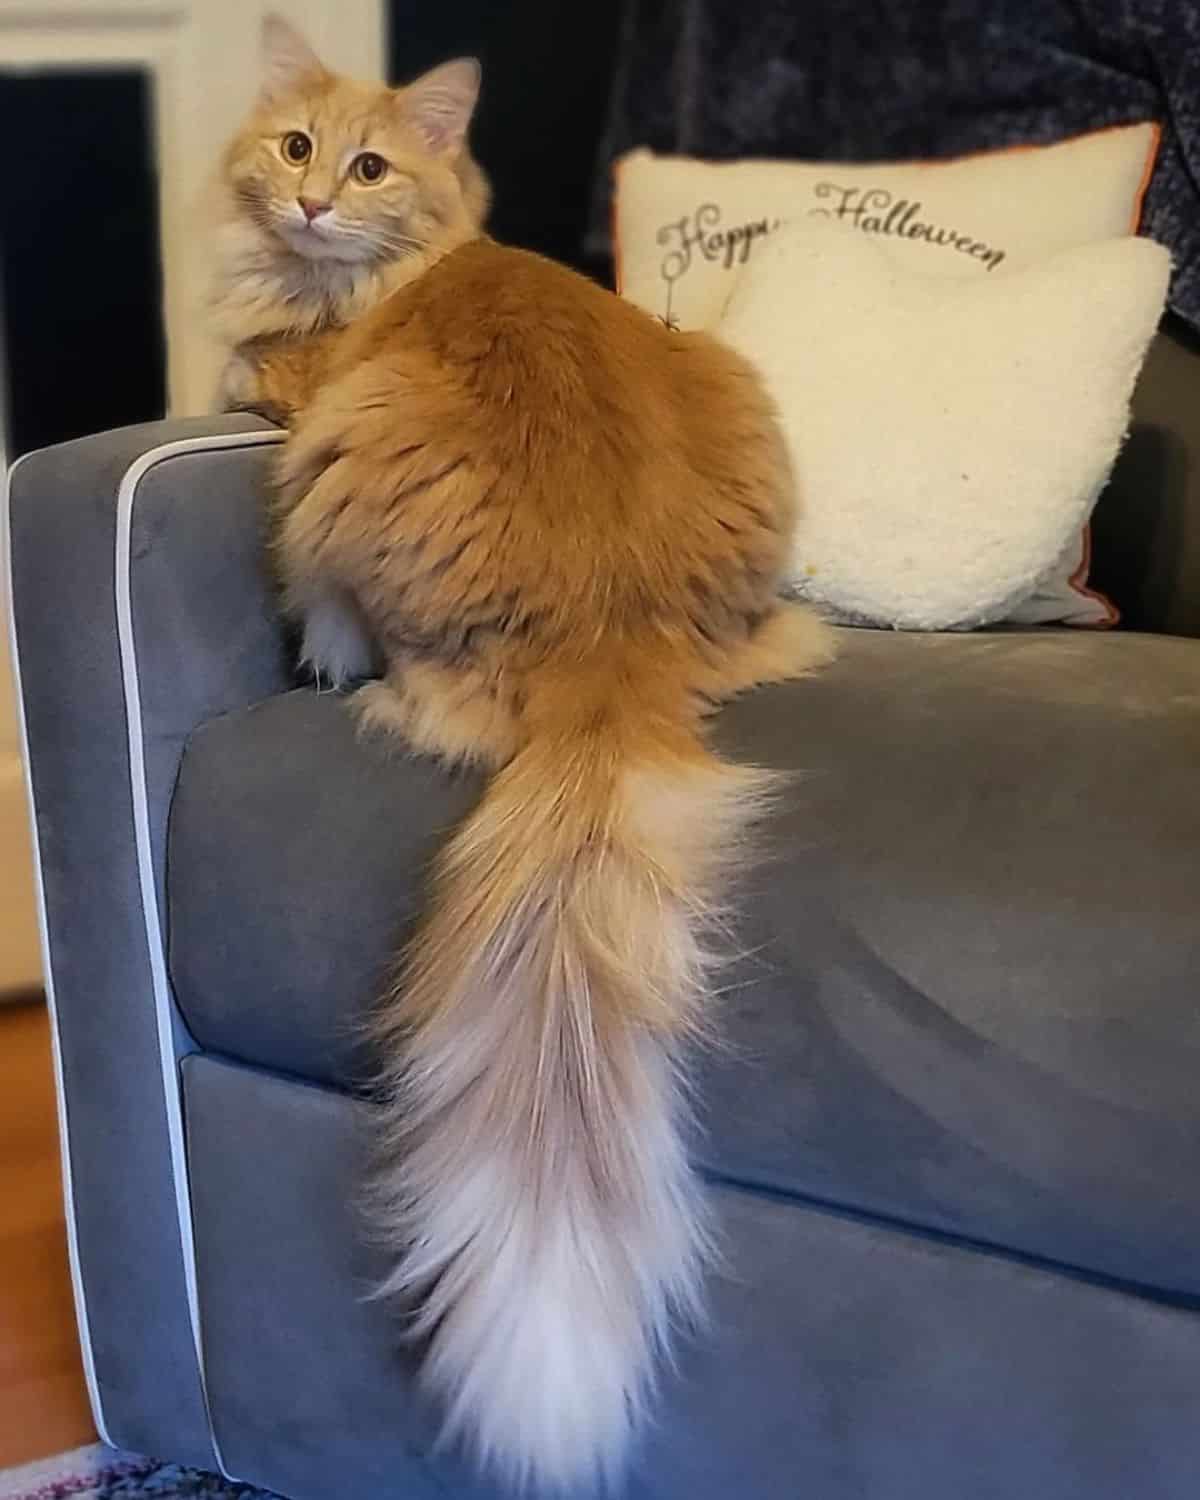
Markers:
1139,197
1078,581
1018,147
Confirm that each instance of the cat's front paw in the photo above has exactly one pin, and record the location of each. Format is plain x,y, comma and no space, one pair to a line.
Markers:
337,646
270,411
238,385
240,390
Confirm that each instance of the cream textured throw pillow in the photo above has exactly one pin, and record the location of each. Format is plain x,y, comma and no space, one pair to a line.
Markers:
949,434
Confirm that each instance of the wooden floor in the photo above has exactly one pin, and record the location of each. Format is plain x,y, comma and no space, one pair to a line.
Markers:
43,1401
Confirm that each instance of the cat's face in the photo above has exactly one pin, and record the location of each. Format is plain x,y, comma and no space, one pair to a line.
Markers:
336,170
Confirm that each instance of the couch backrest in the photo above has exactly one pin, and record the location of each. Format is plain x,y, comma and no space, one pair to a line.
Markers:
1146,531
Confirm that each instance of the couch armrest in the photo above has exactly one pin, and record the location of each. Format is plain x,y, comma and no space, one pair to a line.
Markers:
141,607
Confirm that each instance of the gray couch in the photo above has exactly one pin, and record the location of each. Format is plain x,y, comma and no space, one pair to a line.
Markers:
955,1135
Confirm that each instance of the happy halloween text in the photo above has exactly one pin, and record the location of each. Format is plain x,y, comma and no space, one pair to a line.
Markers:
873,210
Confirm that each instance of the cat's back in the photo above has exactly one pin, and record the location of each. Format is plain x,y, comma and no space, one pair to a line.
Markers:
528,334
488,297
522,369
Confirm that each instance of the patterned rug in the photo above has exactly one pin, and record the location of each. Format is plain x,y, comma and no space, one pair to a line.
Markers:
100,1473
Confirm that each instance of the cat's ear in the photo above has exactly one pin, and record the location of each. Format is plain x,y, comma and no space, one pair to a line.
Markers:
288,61
439,104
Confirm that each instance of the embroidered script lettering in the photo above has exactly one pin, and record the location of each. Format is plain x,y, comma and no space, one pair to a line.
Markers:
876,211
700,235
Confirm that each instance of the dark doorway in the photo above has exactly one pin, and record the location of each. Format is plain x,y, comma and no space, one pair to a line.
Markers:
547,71
79,260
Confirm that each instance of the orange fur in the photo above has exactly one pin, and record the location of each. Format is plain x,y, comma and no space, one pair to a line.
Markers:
562,527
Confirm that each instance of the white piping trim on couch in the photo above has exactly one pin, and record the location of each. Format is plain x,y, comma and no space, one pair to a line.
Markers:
64,1146
163,1004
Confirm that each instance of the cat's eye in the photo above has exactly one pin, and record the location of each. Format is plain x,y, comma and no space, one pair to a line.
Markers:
296,148
369,168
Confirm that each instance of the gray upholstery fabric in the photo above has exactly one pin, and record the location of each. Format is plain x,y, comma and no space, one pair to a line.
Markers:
63,521
968,997
208,633
845,1361
1146,530
320,842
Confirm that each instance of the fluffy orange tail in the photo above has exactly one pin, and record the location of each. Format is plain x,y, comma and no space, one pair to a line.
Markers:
535,1176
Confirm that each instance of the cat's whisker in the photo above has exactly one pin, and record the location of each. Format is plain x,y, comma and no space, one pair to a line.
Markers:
399,247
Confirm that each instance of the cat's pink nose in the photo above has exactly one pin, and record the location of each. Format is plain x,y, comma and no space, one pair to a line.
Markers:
313,206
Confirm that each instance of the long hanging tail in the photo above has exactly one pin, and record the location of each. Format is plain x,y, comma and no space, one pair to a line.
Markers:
535,1177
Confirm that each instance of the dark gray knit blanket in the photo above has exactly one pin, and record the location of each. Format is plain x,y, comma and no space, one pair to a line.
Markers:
878,80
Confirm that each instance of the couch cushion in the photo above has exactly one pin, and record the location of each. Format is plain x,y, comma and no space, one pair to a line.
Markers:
967,996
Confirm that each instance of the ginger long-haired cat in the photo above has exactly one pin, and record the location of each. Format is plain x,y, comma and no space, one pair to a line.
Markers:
307,236
558,527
